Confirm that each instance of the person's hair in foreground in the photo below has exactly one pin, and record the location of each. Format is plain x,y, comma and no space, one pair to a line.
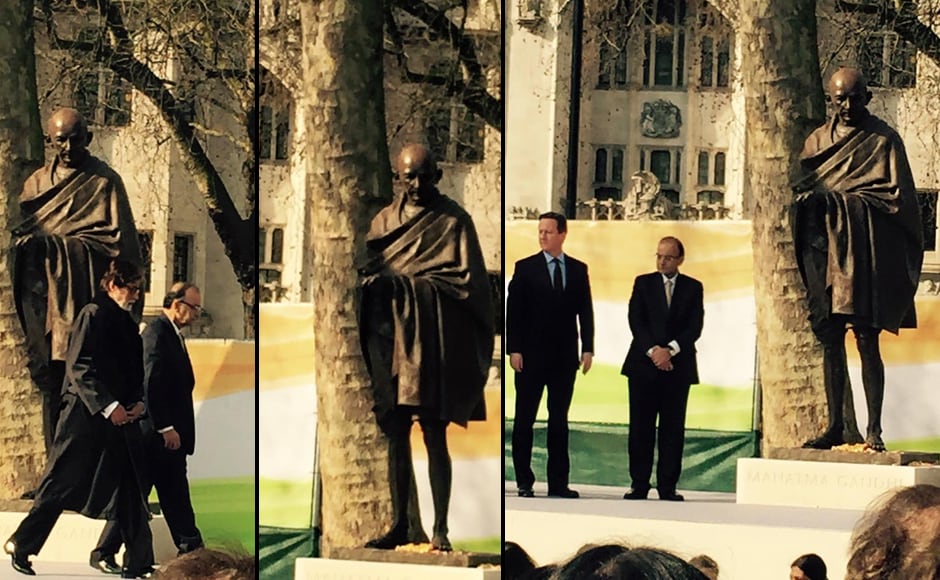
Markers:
515,561
616,562
898,538
812,566
706,565
209,564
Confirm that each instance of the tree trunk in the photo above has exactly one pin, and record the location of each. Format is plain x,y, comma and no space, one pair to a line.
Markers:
21,151
348,179
783,103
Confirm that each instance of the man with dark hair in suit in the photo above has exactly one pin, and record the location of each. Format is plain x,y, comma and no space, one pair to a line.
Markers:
95,464
666,314
75,218
169,427
549,299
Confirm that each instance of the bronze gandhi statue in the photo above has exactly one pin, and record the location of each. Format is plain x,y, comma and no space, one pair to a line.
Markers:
427,331
859,244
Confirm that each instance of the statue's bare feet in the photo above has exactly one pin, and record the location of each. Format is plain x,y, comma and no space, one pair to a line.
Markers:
389,541
875,442
440,542
825,441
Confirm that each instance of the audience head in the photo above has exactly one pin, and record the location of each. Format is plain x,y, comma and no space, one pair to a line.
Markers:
209,564
808,567
898,537
615,562
706,565
515,561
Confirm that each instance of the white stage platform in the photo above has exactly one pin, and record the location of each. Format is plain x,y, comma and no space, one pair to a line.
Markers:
747,541
66,552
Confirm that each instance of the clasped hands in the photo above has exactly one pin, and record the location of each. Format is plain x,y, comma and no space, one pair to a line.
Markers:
121,416
662,358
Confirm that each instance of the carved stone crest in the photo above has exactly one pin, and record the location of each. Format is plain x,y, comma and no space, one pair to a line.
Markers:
660,119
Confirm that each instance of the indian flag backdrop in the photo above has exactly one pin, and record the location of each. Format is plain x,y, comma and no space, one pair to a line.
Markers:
719,254
222,469
287,437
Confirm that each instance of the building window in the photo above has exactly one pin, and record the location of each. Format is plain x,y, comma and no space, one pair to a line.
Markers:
613,67
455,134
145,239
271,255
608,172
273,120
666,165
715,61
887,61
664,44
710,180
103,98
183,257
928,215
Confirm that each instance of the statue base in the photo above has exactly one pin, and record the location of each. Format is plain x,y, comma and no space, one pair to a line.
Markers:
865,457
399,565
825,479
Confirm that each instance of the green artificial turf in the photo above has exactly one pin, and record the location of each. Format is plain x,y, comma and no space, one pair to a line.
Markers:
601,397
928,444
285,504
225,511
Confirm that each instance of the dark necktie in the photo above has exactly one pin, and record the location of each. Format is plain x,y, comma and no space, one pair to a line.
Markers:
556,277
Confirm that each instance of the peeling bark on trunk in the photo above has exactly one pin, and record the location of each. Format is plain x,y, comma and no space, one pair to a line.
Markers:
348,180
783,101
22,454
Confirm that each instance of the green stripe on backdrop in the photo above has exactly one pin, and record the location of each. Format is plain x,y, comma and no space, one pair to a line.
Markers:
225,511
279,547
598,455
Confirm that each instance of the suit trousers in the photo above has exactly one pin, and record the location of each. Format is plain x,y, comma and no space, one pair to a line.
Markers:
667,400
168,472
529,387
132,525
52,401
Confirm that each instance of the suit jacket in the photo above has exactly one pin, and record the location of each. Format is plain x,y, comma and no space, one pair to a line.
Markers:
89,453
542,324
654,323
168,384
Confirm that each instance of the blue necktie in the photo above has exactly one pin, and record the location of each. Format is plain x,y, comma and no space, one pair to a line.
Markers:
556,277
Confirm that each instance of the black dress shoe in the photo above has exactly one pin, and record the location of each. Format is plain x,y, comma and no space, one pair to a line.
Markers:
566,493
525,492
20,562
108,565
671,496
636,494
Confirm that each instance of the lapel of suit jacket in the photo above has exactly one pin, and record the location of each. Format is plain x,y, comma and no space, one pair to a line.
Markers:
181,354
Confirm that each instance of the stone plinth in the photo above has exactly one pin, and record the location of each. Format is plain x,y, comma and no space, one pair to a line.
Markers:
837,456
825,484
457,559
391,567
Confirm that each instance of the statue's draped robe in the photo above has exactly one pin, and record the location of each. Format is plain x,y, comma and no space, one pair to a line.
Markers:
70,229
426,315
859,236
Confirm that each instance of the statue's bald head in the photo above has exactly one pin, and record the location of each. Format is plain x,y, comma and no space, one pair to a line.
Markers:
848,79
848,92
418,171
68,132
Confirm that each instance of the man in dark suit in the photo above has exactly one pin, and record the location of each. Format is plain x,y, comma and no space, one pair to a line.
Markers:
169,427
549,302
666,313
